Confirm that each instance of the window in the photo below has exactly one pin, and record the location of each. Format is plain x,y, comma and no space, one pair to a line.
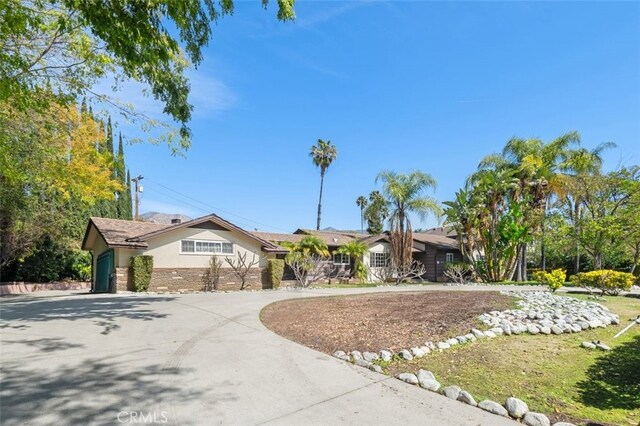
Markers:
341,259
378,260
449,258
206,247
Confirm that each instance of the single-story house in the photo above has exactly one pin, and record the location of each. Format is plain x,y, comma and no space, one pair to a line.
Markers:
433,249
181,252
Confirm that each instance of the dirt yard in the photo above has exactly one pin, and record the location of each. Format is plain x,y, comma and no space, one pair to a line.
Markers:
378,321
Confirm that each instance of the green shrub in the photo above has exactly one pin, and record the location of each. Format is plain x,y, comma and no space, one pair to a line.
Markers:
607,281
554,279
275,269
141,268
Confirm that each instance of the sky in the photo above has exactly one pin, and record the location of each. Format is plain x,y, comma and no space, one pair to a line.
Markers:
430,86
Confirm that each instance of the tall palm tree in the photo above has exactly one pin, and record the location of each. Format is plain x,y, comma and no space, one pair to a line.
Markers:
404,193
361,202
323,154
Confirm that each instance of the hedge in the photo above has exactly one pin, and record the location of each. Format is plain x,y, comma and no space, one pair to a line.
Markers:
275,269
608,281
141,268
554,279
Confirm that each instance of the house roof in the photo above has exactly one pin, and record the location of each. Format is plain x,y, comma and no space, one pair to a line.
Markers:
438,241
117,232
446,231
134,234
331,238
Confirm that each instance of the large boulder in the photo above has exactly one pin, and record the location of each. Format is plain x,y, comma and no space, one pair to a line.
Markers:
517,408
427,380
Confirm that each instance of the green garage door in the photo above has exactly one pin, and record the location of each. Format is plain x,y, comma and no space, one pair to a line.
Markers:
104,267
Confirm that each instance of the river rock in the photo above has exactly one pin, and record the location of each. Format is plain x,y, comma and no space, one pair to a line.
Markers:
517,408
535,419
493,407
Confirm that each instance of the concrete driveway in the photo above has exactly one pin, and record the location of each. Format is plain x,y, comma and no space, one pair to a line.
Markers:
190,359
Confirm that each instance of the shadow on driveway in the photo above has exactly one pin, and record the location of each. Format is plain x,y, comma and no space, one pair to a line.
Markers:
103,311
94,392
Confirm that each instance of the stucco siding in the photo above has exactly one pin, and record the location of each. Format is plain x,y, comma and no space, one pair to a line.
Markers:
166,252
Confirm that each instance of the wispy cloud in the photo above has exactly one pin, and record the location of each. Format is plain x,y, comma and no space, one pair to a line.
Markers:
314,19
208,95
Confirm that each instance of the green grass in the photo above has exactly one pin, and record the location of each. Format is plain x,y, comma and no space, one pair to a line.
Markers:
553,374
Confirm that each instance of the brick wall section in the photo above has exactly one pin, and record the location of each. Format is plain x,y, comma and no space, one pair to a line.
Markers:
192,279
123,283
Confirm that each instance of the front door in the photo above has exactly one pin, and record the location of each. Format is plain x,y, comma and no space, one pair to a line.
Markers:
104,267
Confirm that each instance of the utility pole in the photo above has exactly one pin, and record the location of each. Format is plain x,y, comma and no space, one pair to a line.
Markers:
138,191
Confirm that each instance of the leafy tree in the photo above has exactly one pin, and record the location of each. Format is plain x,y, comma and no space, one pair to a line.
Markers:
58,49
578,165
404,194
322,154
361,202
376,213
50,174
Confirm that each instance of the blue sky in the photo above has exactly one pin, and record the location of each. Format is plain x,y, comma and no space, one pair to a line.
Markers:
432,86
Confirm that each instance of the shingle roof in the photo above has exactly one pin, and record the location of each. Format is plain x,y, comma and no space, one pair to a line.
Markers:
129,233
436,240
331,238
116,232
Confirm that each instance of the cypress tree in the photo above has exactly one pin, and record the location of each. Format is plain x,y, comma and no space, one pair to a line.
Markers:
129,200
124,212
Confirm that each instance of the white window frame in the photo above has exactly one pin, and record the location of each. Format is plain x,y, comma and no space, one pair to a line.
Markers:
373,259
342,259
449,257
207,253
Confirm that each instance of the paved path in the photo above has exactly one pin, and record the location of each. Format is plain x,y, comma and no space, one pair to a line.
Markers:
191,359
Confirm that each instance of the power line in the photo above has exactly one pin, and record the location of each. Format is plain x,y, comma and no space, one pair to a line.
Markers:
210,206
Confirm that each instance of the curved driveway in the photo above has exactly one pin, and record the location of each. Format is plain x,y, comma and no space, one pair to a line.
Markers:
191,359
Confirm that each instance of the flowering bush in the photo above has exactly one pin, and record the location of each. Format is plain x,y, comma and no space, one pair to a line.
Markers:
554,279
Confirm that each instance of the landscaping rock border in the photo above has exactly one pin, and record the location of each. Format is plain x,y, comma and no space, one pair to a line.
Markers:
539,312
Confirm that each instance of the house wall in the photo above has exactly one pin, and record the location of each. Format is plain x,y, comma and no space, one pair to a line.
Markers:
193,279
165,248
434,260
176,271
381,247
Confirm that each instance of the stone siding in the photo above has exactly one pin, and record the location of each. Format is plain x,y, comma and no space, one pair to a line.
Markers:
192,279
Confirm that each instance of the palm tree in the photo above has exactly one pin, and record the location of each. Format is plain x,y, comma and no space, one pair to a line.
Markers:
362,203
323,154
404,193
536,165
356,250
309,245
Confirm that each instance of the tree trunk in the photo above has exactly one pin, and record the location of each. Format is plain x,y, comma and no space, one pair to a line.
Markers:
576,218
362,219
320,200
597,260
543,243
519,264
524,263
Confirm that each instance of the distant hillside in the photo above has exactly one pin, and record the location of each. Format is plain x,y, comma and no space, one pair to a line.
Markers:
157,217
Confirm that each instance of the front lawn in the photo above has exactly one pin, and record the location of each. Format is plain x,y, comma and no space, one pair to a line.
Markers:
553,374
